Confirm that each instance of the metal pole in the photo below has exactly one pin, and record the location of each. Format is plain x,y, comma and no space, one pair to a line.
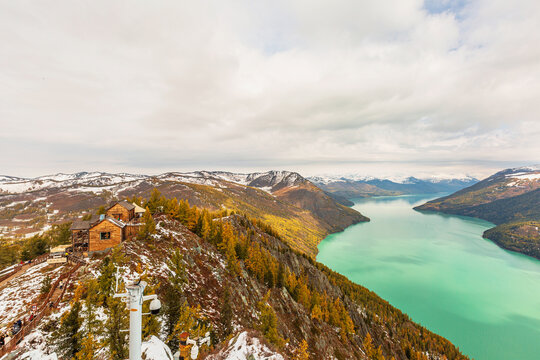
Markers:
136,292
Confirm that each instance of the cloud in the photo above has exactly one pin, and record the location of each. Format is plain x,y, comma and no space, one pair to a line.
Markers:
310,85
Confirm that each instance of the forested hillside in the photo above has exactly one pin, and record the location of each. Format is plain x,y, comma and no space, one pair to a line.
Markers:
230,274
510,199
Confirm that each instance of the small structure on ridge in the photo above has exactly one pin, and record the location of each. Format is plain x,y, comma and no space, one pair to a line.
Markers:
120,222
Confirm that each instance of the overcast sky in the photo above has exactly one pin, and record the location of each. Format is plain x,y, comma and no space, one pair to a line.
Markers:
377,87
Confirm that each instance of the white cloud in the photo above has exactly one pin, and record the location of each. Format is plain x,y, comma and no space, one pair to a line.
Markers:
311,85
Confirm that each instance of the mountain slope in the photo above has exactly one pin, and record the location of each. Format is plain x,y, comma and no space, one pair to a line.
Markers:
351,188
310,302
302,212
510,199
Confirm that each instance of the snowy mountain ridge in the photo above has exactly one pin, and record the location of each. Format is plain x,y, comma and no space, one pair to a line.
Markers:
269,181
326,179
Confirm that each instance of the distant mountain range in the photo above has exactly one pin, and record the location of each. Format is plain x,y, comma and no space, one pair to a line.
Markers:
510,199
292,204
357,187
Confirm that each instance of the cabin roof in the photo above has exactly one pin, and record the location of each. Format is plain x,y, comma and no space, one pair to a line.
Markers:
126,205
60,248
139,209
113,221
84,224
80,225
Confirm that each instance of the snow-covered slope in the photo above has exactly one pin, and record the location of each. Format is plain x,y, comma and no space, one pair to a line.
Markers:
244,346
100,181
155,349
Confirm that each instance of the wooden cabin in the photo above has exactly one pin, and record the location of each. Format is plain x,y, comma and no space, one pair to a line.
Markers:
80,234
122,210
106,234
121,222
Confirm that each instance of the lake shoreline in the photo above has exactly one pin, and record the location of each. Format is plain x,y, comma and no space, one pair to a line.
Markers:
439,270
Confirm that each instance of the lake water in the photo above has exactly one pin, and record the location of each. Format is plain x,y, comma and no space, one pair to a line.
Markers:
441,272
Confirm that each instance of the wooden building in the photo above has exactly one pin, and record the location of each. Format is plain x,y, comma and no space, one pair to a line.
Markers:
139,211
107,233
122,210
120,223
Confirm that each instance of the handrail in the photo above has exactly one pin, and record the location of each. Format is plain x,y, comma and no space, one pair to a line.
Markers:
15,270
38,260
43,311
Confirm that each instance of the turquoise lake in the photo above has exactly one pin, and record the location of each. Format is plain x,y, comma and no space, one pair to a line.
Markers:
441,272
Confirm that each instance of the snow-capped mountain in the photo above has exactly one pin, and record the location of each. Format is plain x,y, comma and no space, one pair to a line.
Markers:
326,179
99,181
28,206
361,186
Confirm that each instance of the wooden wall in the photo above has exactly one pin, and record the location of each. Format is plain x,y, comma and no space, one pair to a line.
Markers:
125,215
96,244
132,231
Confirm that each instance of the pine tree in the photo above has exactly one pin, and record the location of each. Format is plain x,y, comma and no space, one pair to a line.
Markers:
178,278
316,313
115,339
367,344
226,315
173,296
183,210
191,320
301,353
302,293
89,345
280,282
154,202
173,208
46,285
67,337
227,247
149,226
106,278
268,322
191,218
91,302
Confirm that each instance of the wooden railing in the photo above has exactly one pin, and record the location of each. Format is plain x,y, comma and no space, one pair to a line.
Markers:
76,259
45,309
10,273
16,269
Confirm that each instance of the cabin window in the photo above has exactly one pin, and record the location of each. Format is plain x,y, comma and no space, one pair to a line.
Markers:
105,235
117,216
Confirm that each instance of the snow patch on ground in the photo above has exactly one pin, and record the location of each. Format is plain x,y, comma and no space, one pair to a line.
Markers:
243,346
37,355
19,293
155,349
525,176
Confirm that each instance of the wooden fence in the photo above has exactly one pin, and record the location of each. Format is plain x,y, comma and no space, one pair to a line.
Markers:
16,269
45,309
7,275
